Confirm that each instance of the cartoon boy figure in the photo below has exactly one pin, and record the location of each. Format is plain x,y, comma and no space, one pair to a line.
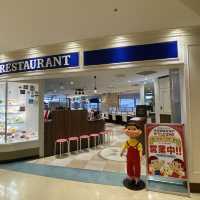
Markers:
134,153
155,165
166,170
177,166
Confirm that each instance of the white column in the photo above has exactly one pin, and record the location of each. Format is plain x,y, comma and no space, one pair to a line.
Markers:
41,118
142,94
157,100
193,111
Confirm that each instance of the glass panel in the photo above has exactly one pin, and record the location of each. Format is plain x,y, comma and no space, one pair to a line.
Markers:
175,94
22,112
2,112
149,96
128,102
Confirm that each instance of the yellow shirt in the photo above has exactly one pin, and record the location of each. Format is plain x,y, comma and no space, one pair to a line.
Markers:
133,142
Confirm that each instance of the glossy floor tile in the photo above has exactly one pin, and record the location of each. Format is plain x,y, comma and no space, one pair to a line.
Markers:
102,166
20,186
104,158
75,174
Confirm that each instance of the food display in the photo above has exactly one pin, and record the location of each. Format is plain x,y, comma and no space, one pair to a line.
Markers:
22,113
2,113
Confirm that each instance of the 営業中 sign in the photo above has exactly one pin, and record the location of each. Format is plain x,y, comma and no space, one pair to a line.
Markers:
166,151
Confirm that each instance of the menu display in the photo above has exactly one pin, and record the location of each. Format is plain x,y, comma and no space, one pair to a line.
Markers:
2,112
21,118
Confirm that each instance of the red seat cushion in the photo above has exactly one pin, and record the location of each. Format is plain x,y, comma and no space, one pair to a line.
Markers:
94,135
72,138
84,136
61,140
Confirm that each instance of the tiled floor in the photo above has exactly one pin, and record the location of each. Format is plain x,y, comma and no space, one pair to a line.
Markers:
86,175
21,186
95,159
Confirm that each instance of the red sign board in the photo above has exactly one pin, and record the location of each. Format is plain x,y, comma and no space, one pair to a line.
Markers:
165,150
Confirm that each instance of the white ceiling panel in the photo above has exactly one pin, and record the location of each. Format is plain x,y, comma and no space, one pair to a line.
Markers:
31,23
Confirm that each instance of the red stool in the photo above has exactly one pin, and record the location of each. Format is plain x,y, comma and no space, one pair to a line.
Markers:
61,143
95,136
72,139
103,136
110,135
84,137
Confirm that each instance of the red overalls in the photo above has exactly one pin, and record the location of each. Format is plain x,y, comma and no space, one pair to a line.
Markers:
133,161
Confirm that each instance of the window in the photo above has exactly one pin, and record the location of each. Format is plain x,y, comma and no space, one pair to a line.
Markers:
127,103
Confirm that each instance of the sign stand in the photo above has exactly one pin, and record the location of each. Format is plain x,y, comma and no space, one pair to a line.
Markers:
166,164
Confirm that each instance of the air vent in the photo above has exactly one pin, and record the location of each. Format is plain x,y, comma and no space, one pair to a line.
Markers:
111,87
120,75
146,73
135,85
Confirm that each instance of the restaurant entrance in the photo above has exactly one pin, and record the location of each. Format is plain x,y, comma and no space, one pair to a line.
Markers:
91,110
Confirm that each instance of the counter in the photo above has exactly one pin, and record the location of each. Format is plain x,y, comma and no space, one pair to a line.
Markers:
68,123
20,150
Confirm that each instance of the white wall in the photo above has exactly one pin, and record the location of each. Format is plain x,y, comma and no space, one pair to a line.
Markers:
193,110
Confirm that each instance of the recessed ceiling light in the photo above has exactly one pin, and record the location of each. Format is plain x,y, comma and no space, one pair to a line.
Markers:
62,87
71,82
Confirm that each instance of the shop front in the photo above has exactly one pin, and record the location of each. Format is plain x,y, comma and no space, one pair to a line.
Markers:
161,67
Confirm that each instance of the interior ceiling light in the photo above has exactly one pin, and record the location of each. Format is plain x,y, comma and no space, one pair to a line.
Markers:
95,86
79,91
62,86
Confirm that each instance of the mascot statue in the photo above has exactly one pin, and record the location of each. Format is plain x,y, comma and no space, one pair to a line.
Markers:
134,153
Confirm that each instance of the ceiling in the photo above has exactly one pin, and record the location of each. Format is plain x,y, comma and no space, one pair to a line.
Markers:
109,81
31,23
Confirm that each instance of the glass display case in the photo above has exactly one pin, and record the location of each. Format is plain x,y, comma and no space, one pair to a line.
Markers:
2,111
18,112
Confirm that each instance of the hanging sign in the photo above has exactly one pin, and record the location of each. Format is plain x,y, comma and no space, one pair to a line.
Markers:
166,150
41,63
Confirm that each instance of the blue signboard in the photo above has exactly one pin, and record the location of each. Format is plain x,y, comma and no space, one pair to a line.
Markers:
163,50
67,60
